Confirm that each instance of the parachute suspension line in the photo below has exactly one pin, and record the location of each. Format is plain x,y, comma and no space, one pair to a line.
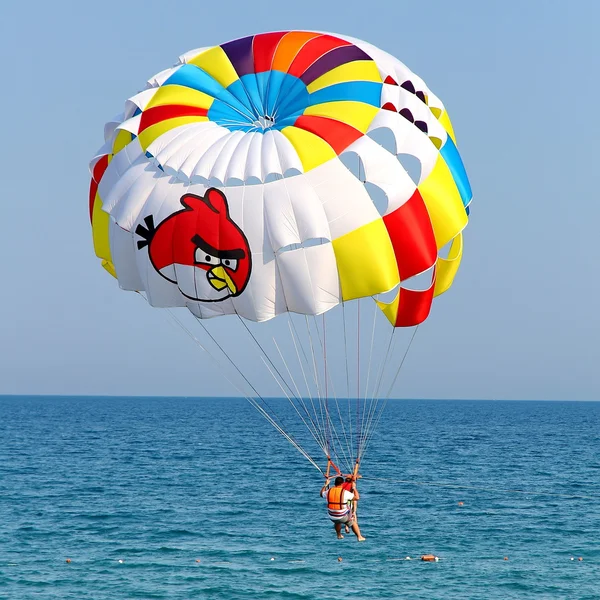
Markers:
332,432
319,443
378,418
350,432
314,362
370,402
382,371
345,449
276,370
375,311
328,422
297,342
343,440
252,401
329,426
402,362
358,415
389,352
312,427
267,413
169,312
322,407
258,344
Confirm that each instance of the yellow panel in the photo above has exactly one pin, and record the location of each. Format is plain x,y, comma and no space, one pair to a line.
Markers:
444,203
390,310
447,268
100,222
312,150
110,268
357,114
365,261
359,70
147,136
180,94
121,140
444,119
216,63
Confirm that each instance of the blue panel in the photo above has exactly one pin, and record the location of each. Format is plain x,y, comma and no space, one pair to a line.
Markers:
368,92
223,114
252,91
450,154
238,91
273,88
197,79
287,120
293,98
262,80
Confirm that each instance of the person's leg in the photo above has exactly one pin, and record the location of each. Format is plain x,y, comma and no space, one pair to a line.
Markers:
338,529
357,533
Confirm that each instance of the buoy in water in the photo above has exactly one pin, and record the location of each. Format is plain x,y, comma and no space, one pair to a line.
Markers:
430,558
121,561
68,560
506,558
580,558
461,503
272,558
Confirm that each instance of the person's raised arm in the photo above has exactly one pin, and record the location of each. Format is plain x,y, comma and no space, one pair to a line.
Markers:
355,491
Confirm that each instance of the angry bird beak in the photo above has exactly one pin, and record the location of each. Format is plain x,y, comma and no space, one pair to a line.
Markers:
219,279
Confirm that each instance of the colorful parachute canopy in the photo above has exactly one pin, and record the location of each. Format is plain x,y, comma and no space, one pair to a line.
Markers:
266,175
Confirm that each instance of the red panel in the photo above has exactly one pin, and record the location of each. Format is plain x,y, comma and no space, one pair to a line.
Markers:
389,106
157,114
337,134
97,173
263,48
389,80
410,230
414,306
312,51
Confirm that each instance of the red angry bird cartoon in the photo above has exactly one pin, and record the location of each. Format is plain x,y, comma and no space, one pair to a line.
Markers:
199,248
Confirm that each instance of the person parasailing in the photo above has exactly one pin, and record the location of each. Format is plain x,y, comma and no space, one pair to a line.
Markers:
338,506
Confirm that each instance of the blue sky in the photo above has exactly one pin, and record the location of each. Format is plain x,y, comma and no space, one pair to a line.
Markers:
520,80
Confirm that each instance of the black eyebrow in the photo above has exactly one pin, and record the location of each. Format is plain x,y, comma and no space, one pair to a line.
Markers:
204,245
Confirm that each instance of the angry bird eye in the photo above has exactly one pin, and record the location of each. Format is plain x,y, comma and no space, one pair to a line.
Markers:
230,263
201,257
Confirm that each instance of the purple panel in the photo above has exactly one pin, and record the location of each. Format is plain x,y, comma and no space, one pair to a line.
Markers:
240,55
331,60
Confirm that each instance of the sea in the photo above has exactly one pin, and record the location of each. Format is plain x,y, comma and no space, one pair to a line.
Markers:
183,498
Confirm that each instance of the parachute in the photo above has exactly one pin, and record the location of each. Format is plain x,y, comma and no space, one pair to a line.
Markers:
306,189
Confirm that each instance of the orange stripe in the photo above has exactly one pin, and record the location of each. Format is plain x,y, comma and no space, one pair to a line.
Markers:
288,48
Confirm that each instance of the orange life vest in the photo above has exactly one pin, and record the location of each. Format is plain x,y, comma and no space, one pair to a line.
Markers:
335,495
